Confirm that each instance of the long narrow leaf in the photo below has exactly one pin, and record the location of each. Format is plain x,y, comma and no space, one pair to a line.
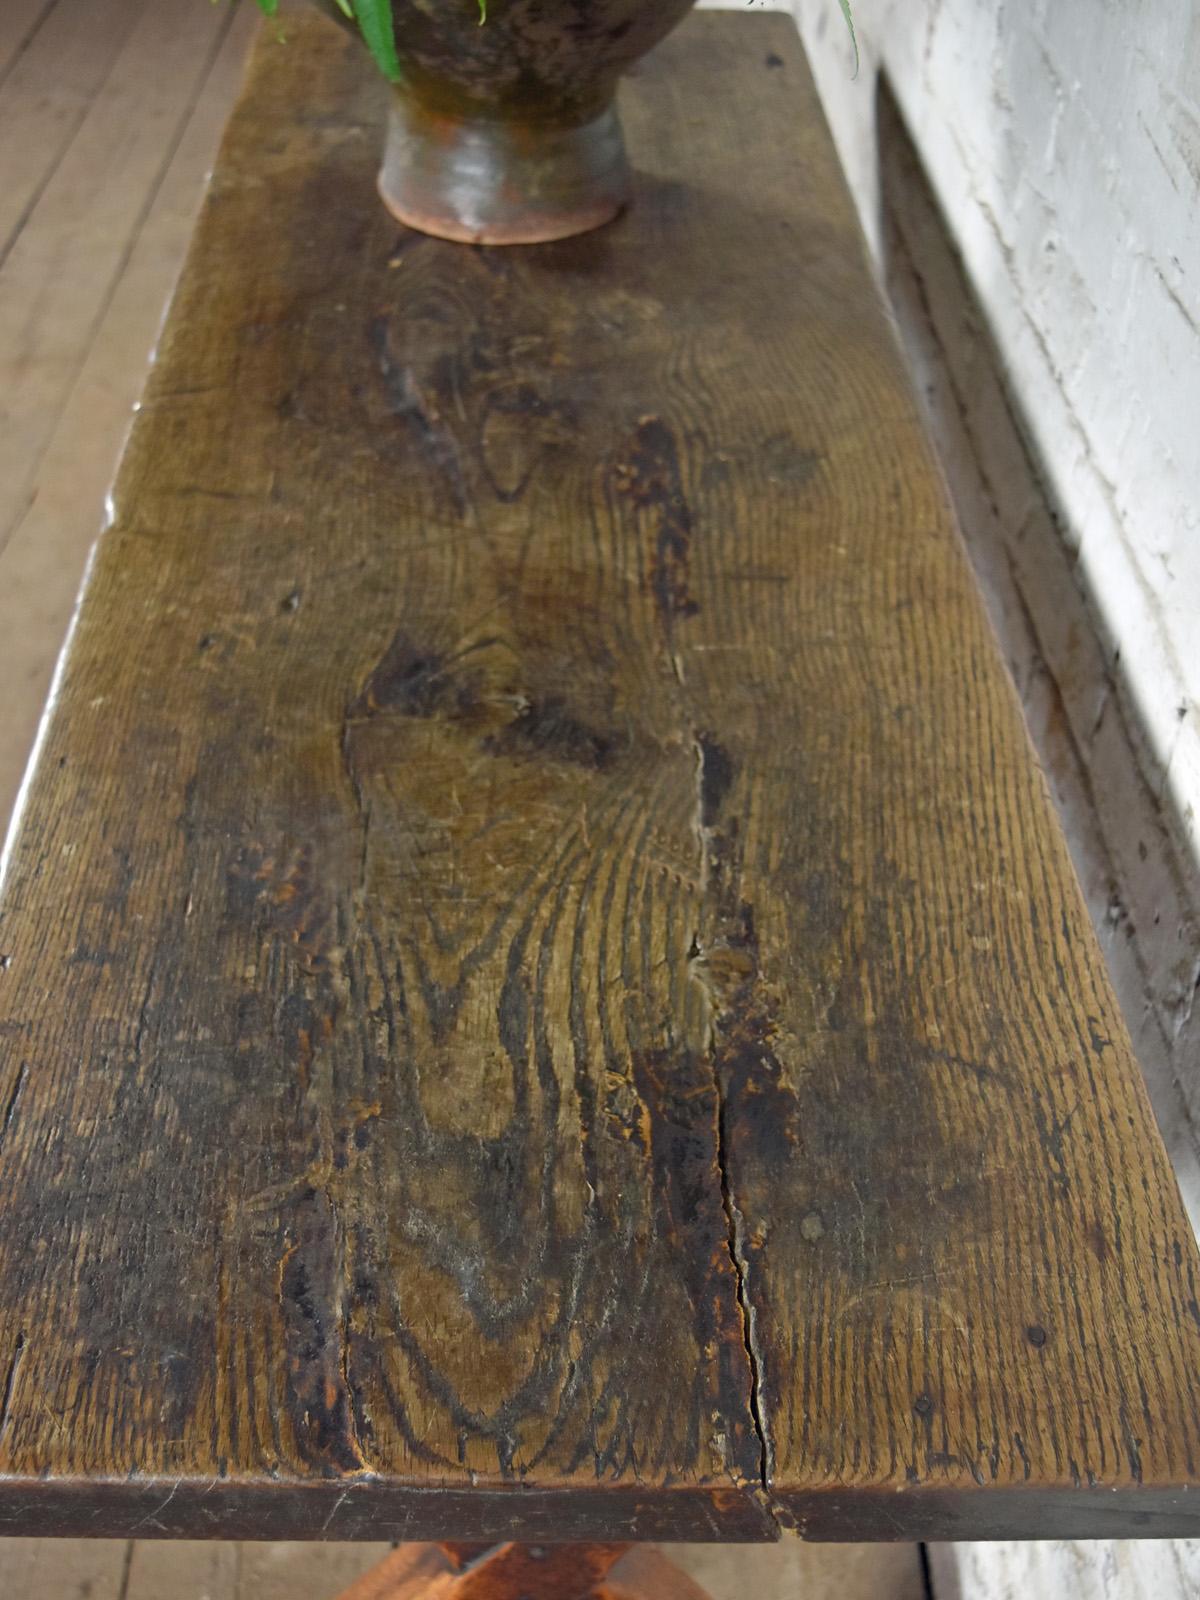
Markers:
375,20
845,5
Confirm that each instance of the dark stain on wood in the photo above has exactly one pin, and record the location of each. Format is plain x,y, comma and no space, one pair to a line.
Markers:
716,777
316,1337
648,472
548,728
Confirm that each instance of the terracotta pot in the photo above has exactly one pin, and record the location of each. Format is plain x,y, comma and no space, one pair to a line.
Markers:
504,131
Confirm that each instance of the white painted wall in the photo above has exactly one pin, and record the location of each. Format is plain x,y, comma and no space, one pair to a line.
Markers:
1062,138
1113,1569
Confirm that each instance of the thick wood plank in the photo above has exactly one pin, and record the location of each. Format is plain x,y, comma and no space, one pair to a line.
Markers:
402,1225
533,814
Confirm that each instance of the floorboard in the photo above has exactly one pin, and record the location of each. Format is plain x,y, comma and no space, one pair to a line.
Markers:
64,265
184,1569
47,95
65,1569
41,565
20,23
98,1569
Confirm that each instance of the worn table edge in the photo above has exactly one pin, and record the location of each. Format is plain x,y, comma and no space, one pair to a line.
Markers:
371,1508
1037,1511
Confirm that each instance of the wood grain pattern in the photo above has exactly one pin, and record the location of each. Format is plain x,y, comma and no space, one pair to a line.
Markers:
542,993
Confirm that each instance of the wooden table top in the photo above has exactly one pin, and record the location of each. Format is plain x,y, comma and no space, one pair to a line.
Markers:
542,992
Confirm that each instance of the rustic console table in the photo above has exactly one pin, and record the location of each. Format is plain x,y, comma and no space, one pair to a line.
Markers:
543,998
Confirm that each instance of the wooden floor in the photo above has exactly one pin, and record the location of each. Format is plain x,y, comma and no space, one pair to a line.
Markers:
110,113
45,1569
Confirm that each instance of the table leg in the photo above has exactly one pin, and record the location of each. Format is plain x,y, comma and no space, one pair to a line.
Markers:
524,1572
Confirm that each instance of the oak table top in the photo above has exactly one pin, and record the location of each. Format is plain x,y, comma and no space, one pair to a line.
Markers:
542,992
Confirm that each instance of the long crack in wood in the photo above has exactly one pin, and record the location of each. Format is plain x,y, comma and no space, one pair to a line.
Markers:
738,1256
10,1109
714,776
10,1382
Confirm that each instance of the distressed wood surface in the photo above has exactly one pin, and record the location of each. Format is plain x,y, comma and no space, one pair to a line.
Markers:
542,993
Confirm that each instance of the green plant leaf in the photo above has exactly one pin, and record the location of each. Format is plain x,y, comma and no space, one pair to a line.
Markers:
268,7
375,21
845,5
